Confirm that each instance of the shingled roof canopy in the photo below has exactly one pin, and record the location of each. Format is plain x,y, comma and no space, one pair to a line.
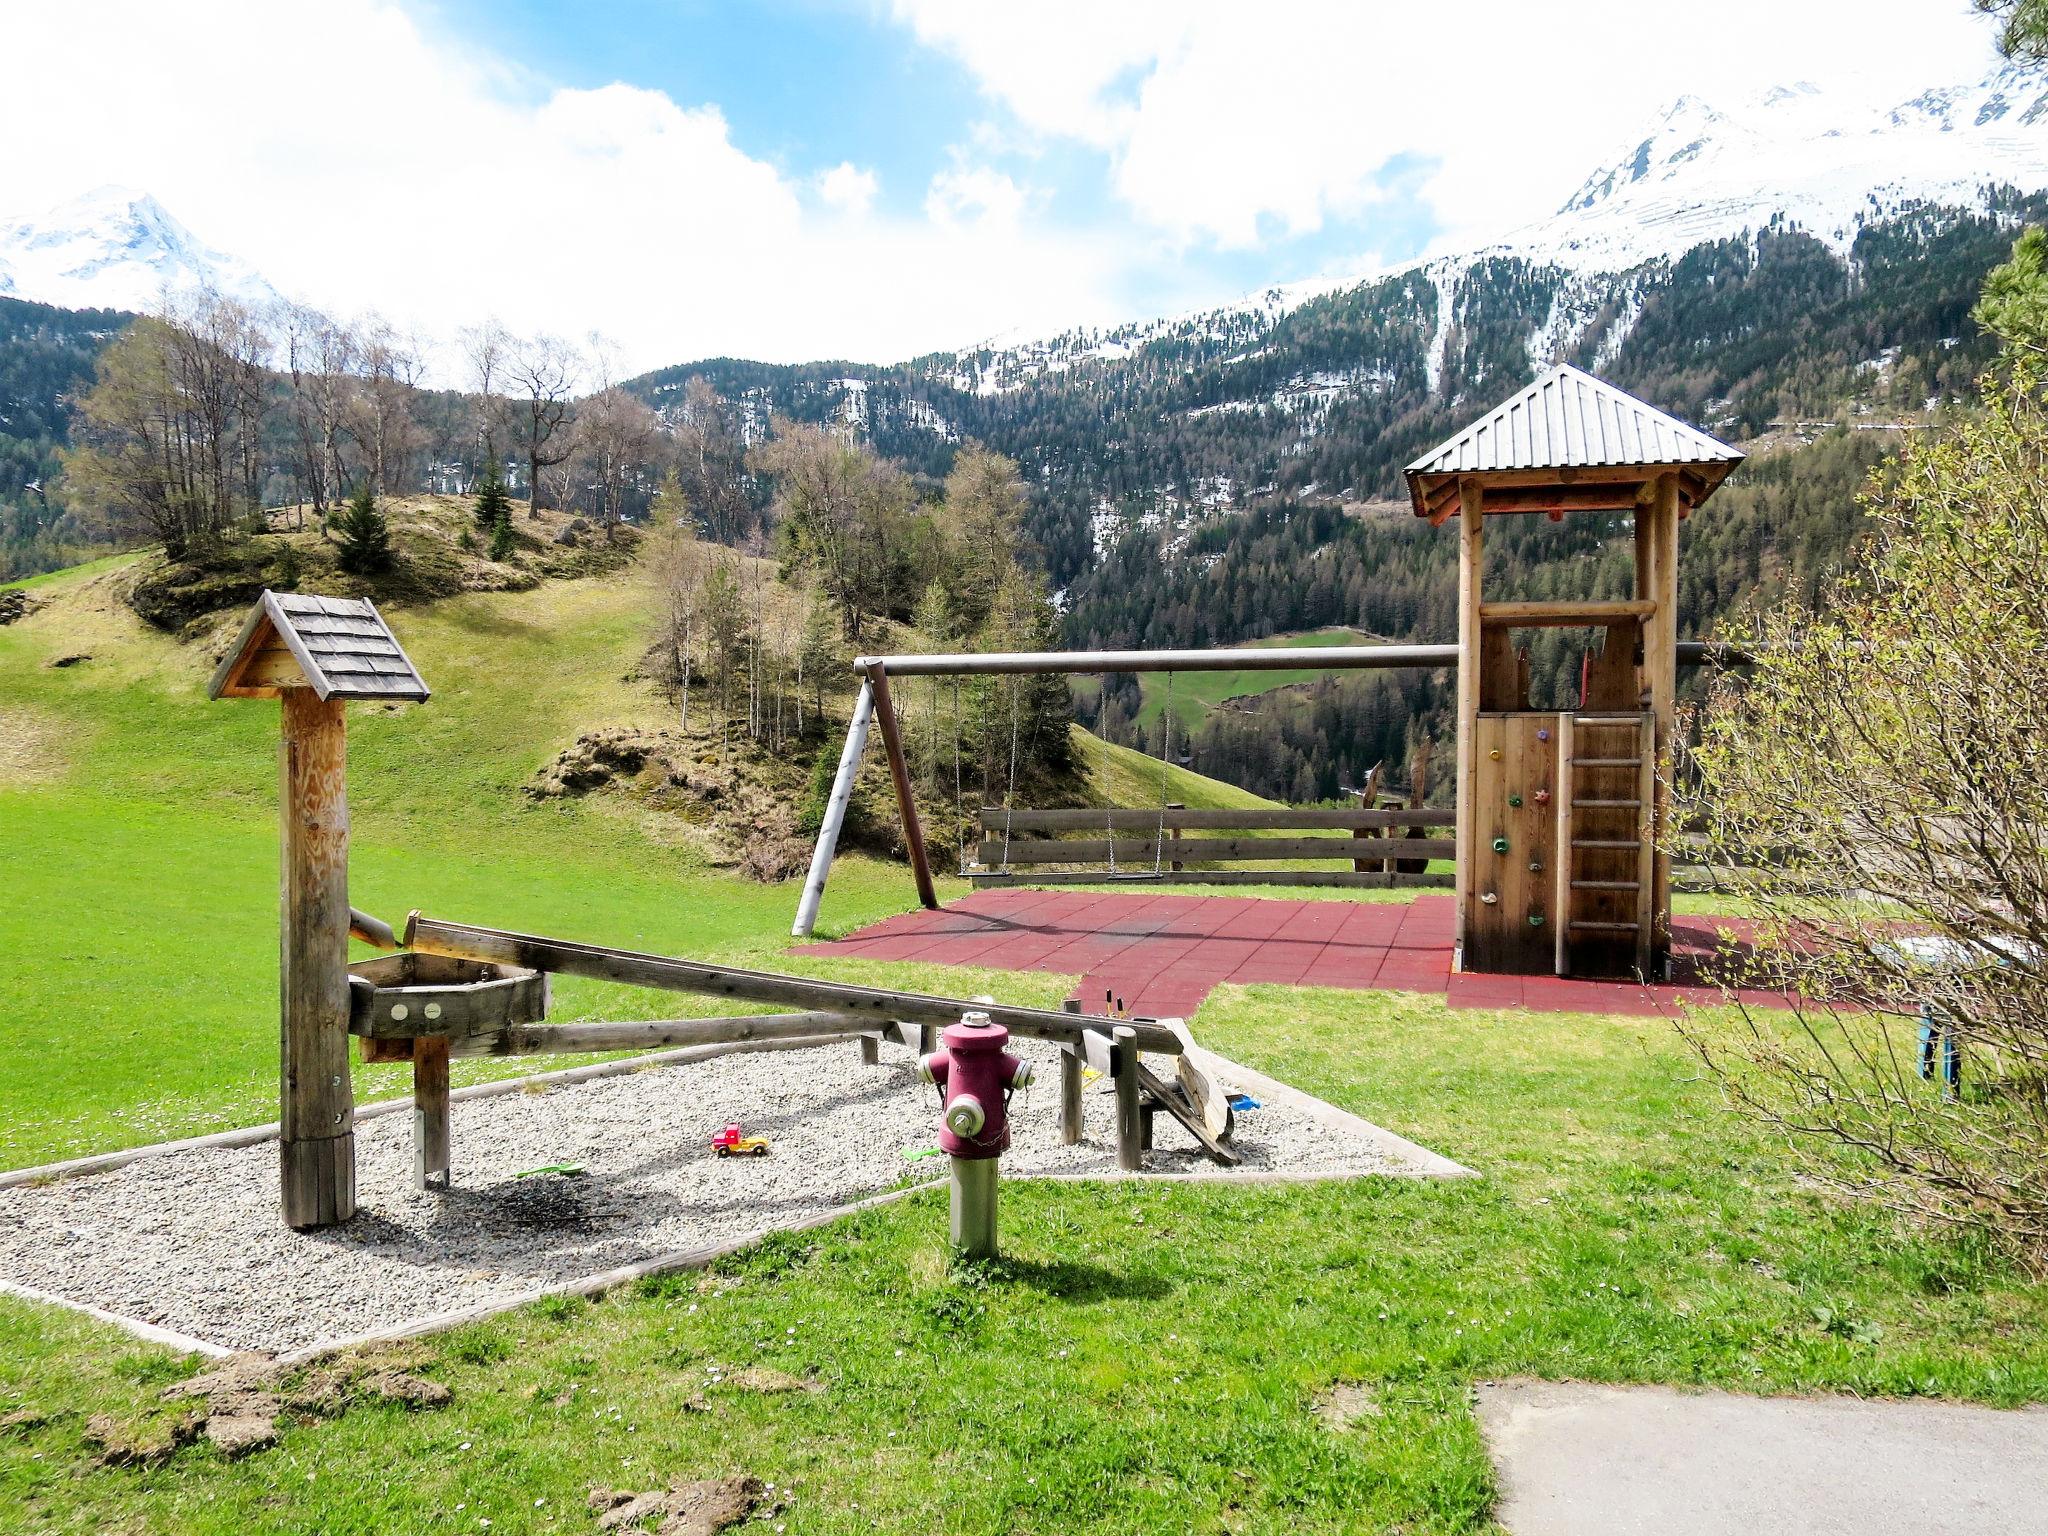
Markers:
1569,443
340,647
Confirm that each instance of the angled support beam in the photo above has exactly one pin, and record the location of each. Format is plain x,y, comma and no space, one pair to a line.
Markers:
835,812
899,772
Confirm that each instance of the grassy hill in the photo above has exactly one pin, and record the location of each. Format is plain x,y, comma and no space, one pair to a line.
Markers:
138,942
1196,693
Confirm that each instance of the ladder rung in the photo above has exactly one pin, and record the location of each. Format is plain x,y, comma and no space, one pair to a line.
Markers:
1608,927
1607,805
1602,842
1607,762
1606,885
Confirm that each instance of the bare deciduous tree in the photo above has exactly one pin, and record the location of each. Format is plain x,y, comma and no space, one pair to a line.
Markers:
544,371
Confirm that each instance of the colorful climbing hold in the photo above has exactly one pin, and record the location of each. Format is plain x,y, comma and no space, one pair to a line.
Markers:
1543,797
1543,735
1514,800
1490,898
1535,919
1500,845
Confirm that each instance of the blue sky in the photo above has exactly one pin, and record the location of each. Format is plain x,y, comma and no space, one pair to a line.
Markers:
808,84
872,179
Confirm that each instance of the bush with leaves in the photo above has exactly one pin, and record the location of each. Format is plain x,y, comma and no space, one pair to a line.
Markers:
363,535
1876,794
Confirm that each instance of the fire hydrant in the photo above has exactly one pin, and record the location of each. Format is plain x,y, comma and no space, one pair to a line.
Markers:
976,1077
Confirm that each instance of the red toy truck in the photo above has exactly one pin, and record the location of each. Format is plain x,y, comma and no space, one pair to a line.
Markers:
734,1142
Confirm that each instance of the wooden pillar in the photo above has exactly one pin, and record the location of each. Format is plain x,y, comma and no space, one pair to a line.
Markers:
1657,562
1130,1154
1070,1084
870,1051
430,1112
899,772
1471,551
316,1112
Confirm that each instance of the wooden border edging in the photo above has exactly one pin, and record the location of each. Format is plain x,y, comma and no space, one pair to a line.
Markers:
170,1338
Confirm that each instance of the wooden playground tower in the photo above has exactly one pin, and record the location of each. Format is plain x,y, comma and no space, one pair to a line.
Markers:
1559,811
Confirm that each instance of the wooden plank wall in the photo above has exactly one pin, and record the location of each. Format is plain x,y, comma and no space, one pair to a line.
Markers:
1515,759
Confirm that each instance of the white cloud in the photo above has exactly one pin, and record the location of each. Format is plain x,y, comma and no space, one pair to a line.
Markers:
1226,122
974,194
848,188
358,159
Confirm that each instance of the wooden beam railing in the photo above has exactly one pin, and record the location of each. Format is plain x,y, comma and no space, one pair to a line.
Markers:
1210,850
870,1004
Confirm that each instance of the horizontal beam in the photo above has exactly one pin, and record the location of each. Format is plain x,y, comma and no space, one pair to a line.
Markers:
1368,880
652,1034
1267,658
870,1005
1205,850
994,818
1561,614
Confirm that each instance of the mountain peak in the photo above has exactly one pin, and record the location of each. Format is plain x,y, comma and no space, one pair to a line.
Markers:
1822,161
116,247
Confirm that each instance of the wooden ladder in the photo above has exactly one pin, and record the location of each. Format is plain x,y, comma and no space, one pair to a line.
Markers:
1574,897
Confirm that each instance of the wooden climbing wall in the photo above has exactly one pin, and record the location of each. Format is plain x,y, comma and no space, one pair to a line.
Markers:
1514,832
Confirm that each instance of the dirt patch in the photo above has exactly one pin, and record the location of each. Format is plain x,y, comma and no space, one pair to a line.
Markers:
682,1509
28,748
768,1380
1345,1405
240,1406
745,801
124,1443
15,605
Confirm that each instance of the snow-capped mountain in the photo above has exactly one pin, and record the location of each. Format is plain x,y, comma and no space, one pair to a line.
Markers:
1794,157
116,248
1802,156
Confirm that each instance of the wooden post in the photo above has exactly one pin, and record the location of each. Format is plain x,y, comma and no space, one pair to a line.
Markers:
1660,675
430,1112
316,1110
899,771
1564,860
1129,1146
1070,1085
870,1051
1471,552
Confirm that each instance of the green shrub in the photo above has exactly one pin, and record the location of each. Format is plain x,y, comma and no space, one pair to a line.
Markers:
364,536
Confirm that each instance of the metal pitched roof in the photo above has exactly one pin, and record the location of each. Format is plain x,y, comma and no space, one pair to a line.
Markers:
342,644
1569,419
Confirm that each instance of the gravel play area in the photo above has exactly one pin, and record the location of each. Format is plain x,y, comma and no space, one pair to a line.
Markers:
192,1241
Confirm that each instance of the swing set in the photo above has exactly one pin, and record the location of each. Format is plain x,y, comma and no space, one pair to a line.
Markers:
1152,844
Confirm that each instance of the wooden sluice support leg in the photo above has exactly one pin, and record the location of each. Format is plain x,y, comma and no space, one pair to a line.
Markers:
430,1112
1070,1085
316,1110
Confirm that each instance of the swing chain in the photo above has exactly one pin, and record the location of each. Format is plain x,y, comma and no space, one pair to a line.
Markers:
1010,784
1165,756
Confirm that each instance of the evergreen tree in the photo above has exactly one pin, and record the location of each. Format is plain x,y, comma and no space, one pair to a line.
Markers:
364,536
502,542
493,501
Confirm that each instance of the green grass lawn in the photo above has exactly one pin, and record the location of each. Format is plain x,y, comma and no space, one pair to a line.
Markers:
1196,693
1143,1358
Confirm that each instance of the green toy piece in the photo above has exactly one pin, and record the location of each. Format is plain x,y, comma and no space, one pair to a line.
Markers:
1500,845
